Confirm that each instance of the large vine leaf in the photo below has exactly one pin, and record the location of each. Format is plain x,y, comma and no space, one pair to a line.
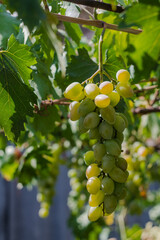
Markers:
16,98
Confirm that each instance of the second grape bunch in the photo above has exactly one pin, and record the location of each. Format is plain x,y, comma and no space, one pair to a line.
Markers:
107,171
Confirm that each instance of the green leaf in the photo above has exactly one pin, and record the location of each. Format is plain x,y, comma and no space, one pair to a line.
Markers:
74,31
16,97
21,58
8,25
45,121
112,63
26,8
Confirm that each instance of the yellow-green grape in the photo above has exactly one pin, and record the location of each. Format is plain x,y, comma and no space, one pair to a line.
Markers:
91,120
92,170
93,185
106,87
124,90
110,203
94,133
107,185
119,137
86,106
99,151
108,163
73,107
89,157
81,96
119,124
108,114
43,212
102,101
114,98
124,118
123,75
122,163
91,90
82,129
118,175
96,199
120,191
94,213
112,147
73,91
105,130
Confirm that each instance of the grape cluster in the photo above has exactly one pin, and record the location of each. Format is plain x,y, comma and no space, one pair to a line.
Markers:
93,106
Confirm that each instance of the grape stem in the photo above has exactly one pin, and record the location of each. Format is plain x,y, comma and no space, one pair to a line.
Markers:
46,5
101,56
91,78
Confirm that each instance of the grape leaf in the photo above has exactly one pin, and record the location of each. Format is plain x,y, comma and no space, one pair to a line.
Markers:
8,25
16,97
74,31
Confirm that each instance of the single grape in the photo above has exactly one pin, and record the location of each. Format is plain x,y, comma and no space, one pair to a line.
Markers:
43,212
81,96
91,120
94,133
92,170
82,129
93,185
119,124
108,114
96,199
112,147
120,136
110,203
123,75
73,107
125,119
105,130
121,163
94,213
91,90
106,87
124,90
120,191
99,151
102,101
89,157
108,163
73,91
86,106
118,175
114,98
107,185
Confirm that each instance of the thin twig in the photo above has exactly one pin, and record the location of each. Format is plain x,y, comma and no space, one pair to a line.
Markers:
90,78
98,4
101,56
155,98
95,23
143,111
149,80
145,89
46,5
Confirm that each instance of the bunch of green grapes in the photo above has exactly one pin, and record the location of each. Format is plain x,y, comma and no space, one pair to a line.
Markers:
47,181
93,106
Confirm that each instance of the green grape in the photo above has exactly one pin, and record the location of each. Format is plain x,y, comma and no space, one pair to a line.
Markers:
86,106
106,87
119,124
108,163
91,90
107,185
91,120
93,185
118,190
73,91
94,133
123,75
114,98
96,199
99,151
40,197
43,212
122,163
118,175
105,130
82,129
110,203
125,119
112,147
119,137
73,107
89,157
94,213
108,114
102,101
92,170
124,90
